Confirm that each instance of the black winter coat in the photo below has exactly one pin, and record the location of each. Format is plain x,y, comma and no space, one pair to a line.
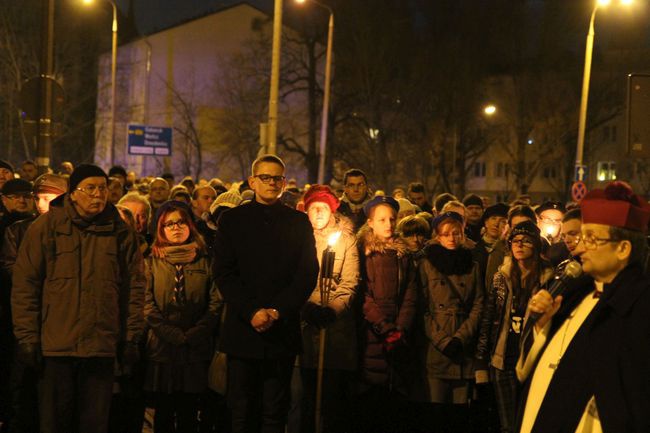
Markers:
264,257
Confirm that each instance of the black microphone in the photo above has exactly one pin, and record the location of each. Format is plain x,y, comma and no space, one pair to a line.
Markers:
572,270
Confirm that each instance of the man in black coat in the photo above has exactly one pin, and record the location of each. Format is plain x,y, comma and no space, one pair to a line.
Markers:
588,367
265,266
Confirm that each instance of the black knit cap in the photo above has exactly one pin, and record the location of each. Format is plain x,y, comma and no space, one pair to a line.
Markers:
527,228
7,165
17,186
472,200
498,209
82,172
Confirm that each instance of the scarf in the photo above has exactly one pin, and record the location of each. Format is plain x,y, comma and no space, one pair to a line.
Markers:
178,254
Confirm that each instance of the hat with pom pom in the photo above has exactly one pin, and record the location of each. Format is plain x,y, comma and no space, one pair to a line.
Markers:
616,206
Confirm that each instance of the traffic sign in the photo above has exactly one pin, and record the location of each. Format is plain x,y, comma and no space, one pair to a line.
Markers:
149,140
580,173
578,191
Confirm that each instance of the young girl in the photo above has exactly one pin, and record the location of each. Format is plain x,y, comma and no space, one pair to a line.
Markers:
453,302
181,309
522,274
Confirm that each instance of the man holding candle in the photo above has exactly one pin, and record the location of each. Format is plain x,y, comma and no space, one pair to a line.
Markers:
266,267
335,240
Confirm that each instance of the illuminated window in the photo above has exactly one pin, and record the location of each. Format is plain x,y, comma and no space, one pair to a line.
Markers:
479,169
606,171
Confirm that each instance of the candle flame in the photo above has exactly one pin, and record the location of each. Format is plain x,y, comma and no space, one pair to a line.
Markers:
333,239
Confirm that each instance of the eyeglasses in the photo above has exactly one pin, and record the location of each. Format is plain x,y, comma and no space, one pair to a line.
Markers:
14,197
551,221
93,190
522,243
267,178
171,224
592,242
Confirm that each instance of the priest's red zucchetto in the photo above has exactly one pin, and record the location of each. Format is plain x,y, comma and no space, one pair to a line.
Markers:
616,206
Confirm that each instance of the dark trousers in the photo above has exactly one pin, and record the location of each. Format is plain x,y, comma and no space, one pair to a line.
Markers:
176,412
506,390
334,400
75,394
128,405
24,398
258,393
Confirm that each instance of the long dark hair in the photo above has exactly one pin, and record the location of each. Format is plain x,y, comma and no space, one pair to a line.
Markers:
531,284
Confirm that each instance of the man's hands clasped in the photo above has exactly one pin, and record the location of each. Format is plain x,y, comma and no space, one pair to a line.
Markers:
264,318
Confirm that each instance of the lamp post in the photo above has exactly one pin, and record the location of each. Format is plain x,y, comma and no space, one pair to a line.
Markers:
322,157
272,126
582,123
113,74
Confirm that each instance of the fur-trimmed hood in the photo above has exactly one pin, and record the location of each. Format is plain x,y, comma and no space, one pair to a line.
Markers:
449,262
506,269
370,243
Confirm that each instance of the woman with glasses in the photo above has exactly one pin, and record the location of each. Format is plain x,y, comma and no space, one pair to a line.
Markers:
181,308
453,300
520,276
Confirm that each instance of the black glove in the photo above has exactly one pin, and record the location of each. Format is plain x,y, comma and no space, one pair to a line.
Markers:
310,313
130,354
30,355
325,316
454,350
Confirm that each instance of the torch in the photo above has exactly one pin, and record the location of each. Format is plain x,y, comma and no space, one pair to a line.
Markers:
326,283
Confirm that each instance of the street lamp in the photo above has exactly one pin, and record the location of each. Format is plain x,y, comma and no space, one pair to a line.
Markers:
113,73
326,92
272,123
585,85
490,110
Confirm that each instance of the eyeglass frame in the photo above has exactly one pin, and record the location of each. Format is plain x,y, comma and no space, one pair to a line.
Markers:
522,242
268,177
171,224
595,242
102,189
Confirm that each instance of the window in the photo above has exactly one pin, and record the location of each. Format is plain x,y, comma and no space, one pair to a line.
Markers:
610,134
606,171
549,173
479,169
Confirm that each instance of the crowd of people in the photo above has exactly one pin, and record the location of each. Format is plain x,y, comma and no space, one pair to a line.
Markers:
259,306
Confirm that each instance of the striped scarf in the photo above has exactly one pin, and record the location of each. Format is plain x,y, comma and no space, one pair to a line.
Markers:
179,256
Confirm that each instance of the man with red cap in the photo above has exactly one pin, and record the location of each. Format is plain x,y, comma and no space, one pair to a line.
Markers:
337,315
588,366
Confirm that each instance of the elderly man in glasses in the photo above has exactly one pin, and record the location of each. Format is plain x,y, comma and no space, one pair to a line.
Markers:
265,266
77,303
586,366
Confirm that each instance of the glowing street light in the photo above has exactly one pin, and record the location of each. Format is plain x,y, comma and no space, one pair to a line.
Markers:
326,92
585,83
113,73
490,110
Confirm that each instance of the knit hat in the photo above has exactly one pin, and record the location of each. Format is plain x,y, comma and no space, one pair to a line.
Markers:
7,165
615,206
117,170
50,184
527,228
550,205
405,205
472,200
227,199
82,172
380,199
321,193
247,196
498,209
17,186
446,216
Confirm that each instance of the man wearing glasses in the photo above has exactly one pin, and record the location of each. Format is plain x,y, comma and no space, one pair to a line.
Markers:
265,266
588,367
77,303
18,202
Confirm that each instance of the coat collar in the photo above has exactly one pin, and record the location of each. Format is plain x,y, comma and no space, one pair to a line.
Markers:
627,287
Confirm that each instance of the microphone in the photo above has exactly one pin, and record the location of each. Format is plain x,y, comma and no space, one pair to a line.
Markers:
572,270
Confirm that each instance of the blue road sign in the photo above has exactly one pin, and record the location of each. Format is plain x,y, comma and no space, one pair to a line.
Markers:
149,140
581,173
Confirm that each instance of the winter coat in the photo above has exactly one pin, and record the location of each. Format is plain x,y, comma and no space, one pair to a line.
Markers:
78,285
389,303
264,257
453,302
354,212
494,259
341,340
495,322
169,323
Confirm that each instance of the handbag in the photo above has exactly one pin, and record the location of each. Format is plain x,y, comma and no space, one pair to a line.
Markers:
218,370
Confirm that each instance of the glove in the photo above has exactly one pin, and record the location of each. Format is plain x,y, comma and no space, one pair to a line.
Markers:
325,316
309,313
29,354
130,354
454,350
393,340
195,336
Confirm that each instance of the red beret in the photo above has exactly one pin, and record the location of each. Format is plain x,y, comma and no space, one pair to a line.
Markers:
321,193
616,206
